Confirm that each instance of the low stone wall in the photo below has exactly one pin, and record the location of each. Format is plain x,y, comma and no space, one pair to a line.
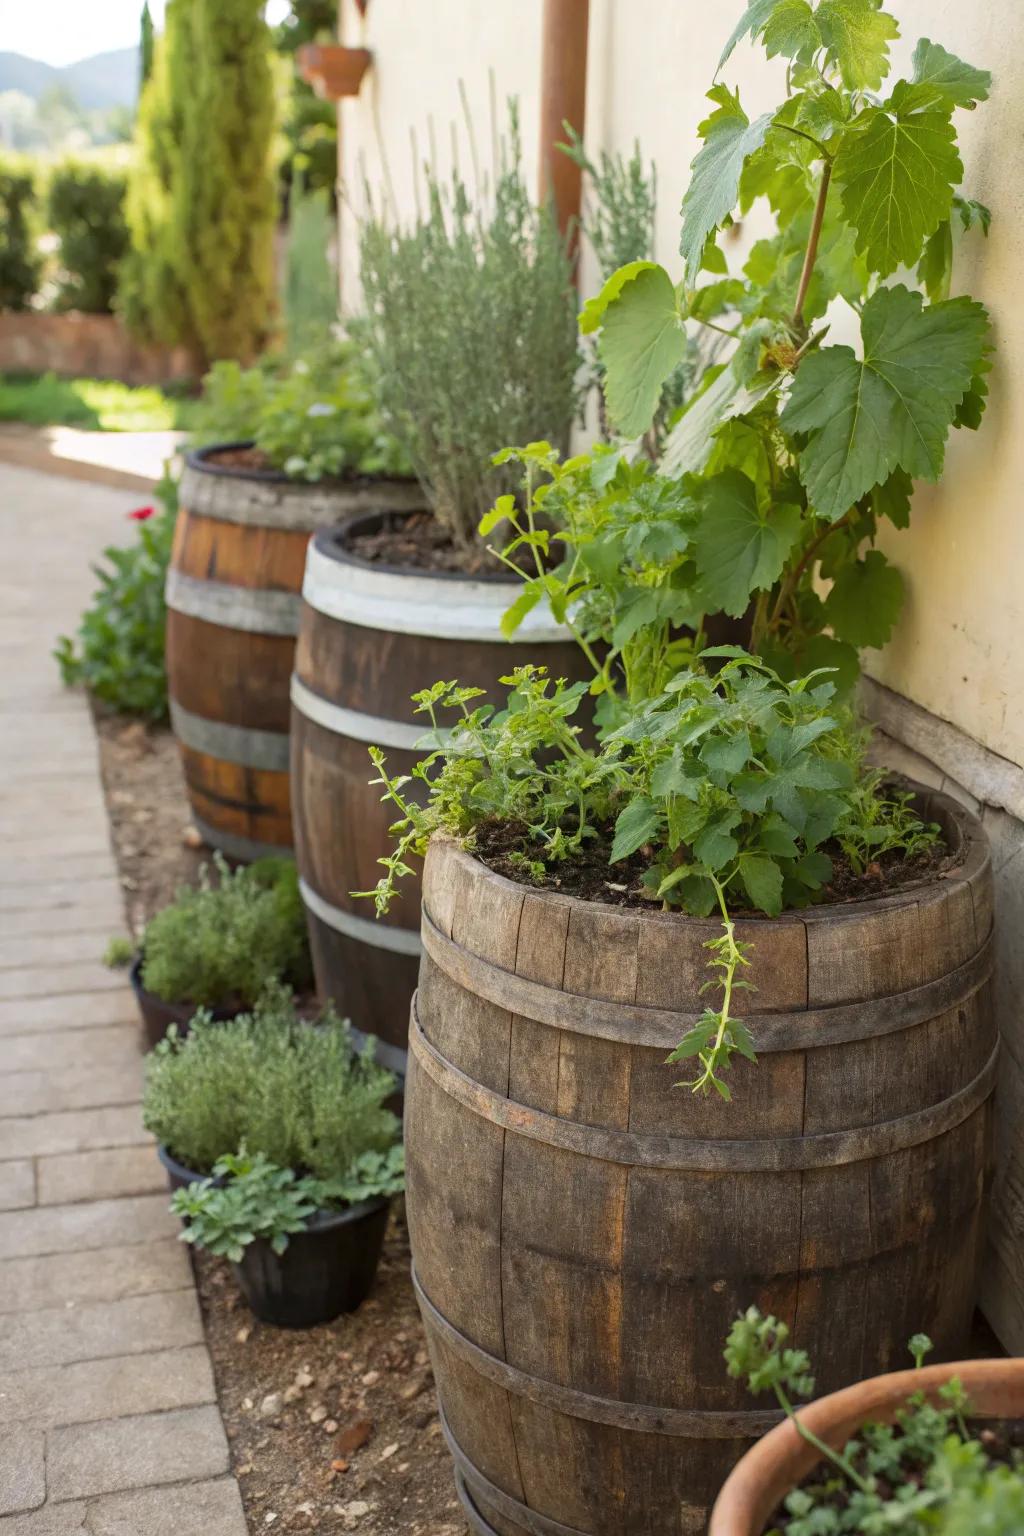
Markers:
84,346
936,753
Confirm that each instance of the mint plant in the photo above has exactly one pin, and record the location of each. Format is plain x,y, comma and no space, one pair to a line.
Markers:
794,450
927,1472
315,420
728,789
250,1198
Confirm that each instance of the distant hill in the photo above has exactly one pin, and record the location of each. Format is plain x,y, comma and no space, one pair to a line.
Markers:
106,80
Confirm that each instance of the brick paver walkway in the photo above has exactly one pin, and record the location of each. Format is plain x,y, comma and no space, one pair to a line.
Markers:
108,1419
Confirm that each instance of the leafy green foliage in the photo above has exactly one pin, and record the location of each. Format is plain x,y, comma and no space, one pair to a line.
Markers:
315,419
20,265
741,549
119,953
219,945
201,213
309,126
471,326
85,210
254,1199
927,1472
730,138
297,1093
640,345
892,410
862,177
118,652
731,785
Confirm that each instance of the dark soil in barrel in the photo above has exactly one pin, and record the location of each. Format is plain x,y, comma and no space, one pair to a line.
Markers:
419,544
254,460
505,847
334,1429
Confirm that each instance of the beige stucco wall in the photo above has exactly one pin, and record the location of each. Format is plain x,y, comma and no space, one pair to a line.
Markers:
958,649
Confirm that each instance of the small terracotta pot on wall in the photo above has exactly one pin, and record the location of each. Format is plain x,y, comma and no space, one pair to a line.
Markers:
371,636
783,1459
584,1233
232,618
333,70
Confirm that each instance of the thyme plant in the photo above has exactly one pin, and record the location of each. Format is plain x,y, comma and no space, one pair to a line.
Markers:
724,792
471,325
797,448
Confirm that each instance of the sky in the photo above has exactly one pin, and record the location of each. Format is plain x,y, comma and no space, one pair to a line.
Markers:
64,31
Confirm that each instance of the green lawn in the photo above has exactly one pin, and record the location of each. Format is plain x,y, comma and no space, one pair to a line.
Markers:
100,404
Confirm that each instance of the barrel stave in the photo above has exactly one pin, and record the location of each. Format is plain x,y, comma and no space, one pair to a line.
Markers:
229,674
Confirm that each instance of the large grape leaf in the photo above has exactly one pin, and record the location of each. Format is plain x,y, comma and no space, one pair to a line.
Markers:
897,166
865,601
593,312
960,84
642,340
752,21
739,549
857,35
891,410
792,31
691,441
729,138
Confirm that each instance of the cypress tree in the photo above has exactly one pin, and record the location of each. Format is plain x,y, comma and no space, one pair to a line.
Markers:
146,41
201,202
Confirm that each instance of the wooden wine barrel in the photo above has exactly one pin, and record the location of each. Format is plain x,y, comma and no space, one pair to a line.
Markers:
232,617
370,637
584,1233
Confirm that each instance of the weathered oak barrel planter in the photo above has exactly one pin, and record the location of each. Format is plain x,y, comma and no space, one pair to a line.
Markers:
783,1459
584,1233
233,614
371,636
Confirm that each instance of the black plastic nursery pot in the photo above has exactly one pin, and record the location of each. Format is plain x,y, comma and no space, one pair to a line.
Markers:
157,1015
325,1270
179,1175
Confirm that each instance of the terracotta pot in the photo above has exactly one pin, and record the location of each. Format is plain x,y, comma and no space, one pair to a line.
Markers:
782,1460
333,70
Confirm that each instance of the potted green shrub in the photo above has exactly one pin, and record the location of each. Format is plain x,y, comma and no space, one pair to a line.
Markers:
281,1151
471,328
303,1249
217,946
278,451
719,878
936,1448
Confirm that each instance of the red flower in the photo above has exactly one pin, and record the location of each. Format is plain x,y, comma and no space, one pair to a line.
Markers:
141,514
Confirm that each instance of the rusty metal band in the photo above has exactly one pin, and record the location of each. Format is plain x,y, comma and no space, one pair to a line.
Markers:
662,1028
645,1418
692,1521
254,610
469,1480
235,846
251,748
778,1154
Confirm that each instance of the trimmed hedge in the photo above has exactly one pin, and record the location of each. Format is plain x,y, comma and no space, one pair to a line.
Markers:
20,266
85,210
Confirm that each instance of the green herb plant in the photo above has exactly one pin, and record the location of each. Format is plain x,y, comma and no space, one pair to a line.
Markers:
797,448
727,791
118,652
219,945
927,1472
314,420
471,326
303,1096
251,1198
